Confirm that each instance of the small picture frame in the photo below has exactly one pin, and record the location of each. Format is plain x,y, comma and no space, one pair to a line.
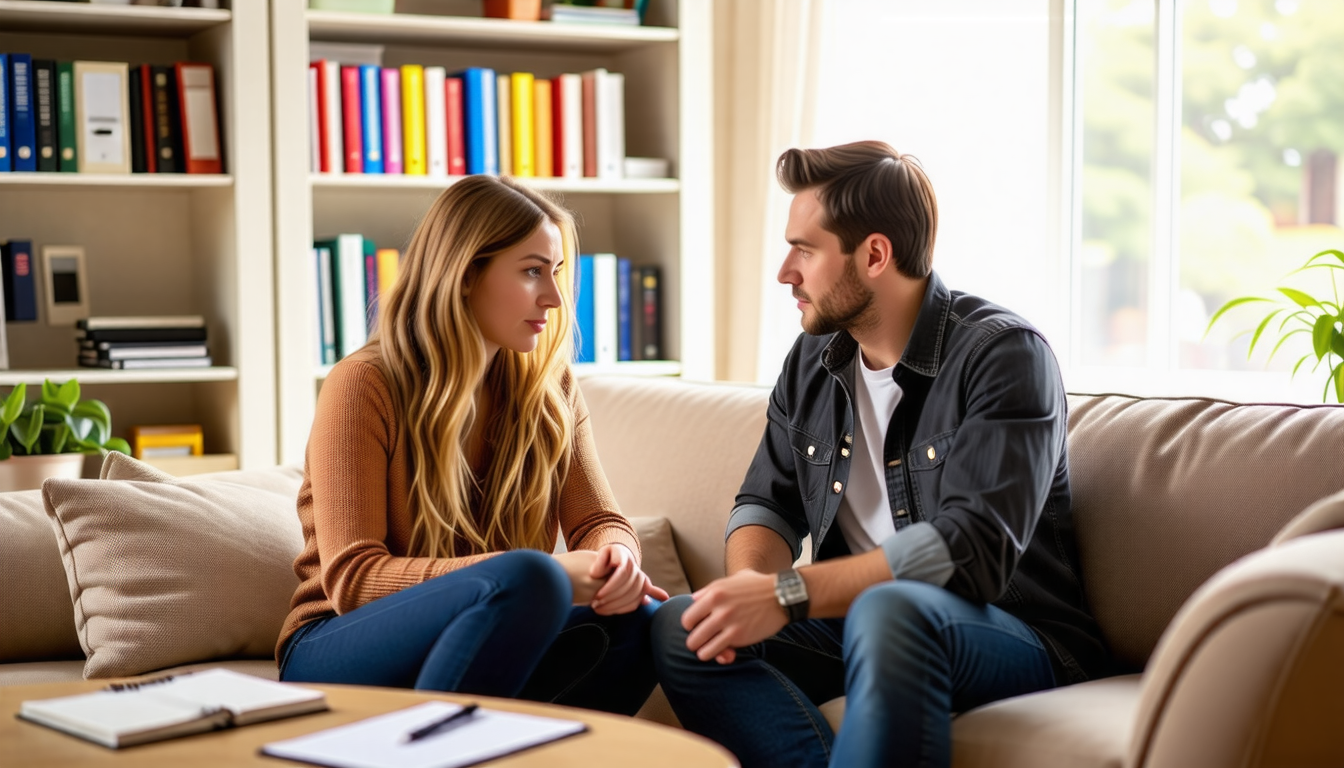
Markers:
66,287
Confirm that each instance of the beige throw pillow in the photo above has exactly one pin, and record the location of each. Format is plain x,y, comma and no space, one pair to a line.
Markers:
659,559
165,572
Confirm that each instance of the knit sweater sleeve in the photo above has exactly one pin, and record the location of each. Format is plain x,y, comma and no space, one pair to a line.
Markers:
351,452
589,517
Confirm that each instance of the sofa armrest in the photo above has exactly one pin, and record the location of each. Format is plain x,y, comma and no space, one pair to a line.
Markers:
1326,514
1249,672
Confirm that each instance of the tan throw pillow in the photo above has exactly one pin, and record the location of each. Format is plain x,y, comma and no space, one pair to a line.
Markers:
660,559
165,572
1324,515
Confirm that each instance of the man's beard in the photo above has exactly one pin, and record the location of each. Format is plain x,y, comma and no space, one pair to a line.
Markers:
845,307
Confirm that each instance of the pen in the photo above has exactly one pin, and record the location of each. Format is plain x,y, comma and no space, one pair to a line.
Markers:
425,730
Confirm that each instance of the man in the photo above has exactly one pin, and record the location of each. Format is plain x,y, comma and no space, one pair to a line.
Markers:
917,435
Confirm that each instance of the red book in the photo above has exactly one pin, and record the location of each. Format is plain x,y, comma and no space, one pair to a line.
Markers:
557,128
323,161
200,122
457,147
354,142
590,98
147,88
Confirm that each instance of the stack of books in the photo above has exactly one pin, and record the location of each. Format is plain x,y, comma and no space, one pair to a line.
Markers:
352,272
142,342
618,312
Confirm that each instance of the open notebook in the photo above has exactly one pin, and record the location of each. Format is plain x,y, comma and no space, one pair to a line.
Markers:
380,742
135,713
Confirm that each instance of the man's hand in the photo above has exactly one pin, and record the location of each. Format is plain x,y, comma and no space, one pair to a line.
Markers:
626,587
732,612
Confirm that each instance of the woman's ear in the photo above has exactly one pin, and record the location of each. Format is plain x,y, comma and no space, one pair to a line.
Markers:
469,278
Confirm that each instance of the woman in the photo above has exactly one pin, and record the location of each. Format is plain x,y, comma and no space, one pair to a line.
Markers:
443,458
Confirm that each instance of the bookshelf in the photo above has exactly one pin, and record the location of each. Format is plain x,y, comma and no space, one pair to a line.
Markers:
162,244
667,222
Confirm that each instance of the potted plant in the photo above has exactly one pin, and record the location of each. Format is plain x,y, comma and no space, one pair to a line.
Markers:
50,437
1299,312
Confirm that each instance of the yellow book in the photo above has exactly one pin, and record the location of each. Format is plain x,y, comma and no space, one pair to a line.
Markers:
524,157
503,102
542,136
389,265
413,120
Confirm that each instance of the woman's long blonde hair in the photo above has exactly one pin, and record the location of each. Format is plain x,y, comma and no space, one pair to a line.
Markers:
433,357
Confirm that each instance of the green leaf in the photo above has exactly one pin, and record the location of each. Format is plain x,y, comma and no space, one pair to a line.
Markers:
5,450
68,394
1282,339
117,444
1329,252
1320,335
1301,299
60,434
1230,305
1299,363
27,430
50,392
1261,329
1337,343
13,405
1338,376
96,414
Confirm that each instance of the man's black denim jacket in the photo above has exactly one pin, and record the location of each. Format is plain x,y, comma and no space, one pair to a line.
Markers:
975,452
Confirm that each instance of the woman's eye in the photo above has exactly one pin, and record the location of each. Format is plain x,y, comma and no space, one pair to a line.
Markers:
534,272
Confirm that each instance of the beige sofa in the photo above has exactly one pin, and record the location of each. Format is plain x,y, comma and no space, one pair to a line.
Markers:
1206,531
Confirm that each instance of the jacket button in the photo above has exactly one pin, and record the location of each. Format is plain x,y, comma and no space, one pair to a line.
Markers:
894,463
837,487
849,439
844,453
901,513
811,449
932,453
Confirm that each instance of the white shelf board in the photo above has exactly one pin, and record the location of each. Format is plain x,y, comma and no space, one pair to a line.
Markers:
137,180
470,32
543,183
109,376
83,18
628,368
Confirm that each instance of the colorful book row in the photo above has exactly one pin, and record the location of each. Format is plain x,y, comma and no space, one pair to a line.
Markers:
618,308
423,121
351,272
107,117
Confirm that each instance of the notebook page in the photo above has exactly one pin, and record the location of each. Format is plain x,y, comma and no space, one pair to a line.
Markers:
105,715
233,691
377,742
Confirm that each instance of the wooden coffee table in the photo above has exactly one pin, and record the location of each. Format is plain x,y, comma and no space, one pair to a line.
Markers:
611,740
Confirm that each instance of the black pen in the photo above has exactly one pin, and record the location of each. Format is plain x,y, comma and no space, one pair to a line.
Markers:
426,730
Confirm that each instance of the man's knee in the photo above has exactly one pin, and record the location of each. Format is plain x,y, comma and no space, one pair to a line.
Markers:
894,609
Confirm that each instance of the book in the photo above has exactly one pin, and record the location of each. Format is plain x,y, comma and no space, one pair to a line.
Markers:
326,313
389,267
524,147
20,287
391,108
109,350
167,130
102,116
623,344
585,347
605,326
200,123
627,13
143,334
611,126
542,136
332,118
22,126
155,440
149,363
452,118
636,292
414,161
370,102
589,122
66,145
568,126
352,121
650,303
479,132
314,133
436,122
137,713
370,285
136,100
145,74
504,122
349,293
6,163
139,322
44,102
380,742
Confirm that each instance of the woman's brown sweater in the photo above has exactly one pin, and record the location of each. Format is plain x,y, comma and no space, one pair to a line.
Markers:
353,502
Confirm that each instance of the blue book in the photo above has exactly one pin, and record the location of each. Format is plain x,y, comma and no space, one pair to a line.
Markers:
585,351
623,348
16,260
22,121
5,163
479,132
370,99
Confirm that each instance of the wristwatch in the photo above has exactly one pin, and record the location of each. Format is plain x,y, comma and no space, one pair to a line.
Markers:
792,594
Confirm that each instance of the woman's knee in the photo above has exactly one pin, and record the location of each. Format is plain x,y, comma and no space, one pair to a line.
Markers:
665,632
533,576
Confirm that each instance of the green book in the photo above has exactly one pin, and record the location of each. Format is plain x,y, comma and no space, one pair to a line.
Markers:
65,117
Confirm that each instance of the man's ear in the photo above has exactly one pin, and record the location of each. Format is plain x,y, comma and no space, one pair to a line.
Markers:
876,250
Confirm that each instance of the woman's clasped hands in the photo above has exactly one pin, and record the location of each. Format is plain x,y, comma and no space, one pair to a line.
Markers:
608,580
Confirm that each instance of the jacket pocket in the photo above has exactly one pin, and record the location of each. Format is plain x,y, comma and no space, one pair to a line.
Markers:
811,460
925,462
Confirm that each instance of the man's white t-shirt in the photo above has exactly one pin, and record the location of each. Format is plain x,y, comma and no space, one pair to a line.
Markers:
865,514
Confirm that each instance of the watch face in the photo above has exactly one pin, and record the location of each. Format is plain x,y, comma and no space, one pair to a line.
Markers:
790,589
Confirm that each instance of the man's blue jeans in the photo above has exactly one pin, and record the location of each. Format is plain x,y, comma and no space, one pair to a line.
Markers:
502,627
907,656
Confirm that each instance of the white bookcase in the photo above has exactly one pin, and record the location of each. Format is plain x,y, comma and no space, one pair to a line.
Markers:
668,222
162,244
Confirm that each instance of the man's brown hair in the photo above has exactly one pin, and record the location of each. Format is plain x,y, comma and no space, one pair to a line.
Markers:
866,188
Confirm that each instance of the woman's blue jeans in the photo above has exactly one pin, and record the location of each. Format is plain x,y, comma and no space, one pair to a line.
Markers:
502,627
907,656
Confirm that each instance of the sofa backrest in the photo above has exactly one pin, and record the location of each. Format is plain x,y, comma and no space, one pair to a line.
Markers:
1168,491
678,450
36,618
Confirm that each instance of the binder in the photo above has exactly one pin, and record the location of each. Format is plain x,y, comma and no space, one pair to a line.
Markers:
22,126
504,122
66,145
370,100
167,130
478,120
135,89
611,126
20,287
6,163
589,122
569,125
102,115
624,345
453,117
391,92
200,125
44,91
413,119
352,120
436,121
605,320
326,311
524,154
145,75
585,347
330,122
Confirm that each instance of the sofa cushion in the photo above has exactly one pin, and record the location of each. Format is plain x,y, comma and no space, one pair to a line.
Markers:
659,559
1325,515
35,614
1168,491
164,571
